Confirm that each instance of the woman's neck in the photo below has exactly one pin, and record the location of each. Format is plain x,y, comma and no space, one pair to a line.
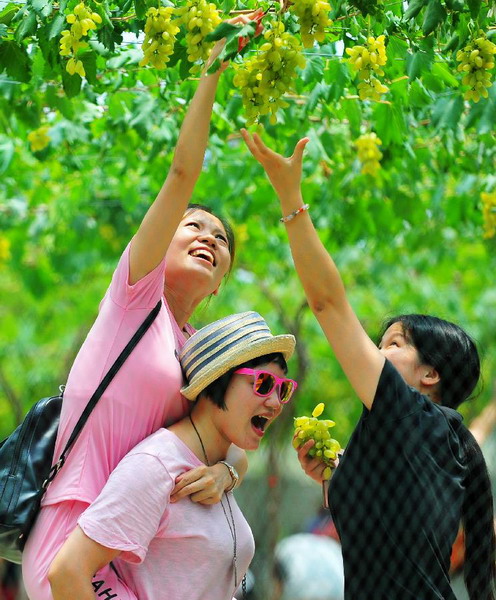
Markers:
199,433
181,305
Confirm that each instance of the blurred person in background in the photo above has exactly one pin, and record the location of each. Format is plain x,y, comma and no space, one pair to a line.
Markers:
308,567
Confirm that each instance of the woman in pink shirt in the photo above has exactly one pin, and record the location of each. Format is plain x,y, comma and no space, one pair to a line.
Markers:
179,255
236,370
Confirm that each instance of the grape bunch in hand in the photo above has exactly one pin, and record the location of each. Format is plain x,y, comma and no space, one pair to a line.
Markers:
313,428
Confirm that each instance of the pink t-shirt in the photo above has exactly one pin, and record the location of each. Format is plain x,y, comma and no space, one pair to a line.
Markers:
176,551
143,396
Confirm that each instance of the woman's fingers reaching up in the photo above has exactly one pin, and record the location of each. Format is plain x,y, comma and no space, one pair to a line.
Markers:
284,173
237,20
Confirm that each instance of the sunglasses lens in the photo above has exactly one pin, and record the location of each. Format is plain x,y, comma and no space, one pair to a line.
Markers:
265,384
287,389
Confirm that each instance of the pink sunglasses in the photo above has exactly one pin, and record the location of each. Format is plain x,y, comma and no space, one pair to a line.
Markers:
265,382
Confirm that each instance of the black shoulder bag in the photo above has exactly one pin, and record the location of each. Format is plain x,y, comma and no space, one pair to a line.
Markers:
26,457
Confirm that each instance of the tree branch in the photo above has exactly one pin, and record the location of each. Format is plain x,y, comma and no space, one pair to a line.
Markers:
12,398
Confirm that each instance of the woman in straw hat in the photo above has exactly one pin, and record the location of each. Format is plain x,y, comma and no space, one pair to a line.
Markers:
179,256
235,371
411,471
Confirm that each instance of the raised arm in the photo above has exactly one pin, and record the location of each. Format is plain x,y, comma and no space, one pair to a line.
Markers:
155,233
153,237
359,357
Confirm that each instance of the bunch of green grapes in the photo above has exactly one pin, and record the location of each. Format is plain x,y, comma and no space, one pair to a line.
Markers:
313,428
313,17
263,78
82,20
199,18
489,214
368,61
39,138
160,37
476,60
369,153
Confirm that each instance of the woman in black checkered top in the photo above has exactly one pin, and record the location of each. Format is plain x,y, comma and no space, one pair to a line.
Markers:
411,471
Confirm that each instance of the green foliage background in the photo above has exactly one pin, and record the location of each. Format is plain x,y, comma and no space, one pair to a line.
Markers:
410,239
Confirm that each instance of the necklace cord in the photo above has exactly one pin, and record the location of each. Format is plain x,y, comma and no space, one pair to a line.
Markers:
230,523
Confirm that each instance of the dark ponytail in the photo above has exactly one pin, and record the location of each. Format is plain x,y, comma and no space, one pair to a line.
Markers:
478,522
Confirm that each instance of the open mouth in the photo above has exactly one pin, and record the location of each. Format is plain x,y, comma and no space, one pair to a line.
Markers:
204,255
258,422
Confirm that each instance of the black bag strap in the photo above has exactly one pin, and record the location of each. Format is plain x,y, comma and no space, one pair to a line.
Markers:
105,382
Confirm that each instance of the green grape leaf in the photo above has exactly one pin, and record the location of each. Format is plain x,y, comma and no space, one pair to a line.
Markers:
108,37
488,115
443,71
228,5
179,54
417,63
184,67
353,113
447,112
49,50
71,83
474,6
15,60
414,8
3,30
418,95
390,124
453,43
313,69
140,8
8,13
434,14
59,102
224,30
26,27
56,26
89,62
41,7
232,33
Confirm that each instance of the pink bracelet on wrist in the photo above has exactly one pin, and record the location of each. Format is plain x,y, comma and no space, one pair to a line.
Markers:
295,213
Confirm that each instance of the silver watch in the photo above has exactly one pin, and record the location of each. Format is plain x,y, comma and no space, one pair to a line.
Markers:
233,473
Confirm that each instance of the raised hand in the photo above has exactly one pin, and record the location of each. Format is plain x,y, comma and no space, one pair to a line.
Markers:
243,19
283,173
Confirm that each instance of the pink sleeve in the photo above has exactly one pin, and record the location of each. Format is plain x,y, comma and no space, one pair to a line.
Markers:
145,293
127,514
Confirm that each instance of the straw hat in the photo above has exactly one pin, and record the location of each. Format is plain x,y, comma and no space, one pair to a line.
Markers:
227,343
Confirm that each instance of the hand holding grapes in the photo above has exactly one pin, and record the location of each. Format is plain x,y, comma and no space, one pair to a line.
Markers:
238,20
315,466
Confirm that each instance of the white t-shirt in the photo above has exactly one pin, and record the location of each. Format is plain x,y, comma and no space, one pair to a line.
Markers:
175,551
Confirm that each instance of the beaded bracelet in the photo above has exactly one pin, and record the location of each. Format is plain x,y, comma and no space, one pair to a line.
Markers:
295,213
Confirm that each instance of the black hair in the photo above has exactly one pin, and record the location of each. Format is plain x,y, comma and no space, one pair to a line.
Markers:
216,390
452,352
231,240
447,348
